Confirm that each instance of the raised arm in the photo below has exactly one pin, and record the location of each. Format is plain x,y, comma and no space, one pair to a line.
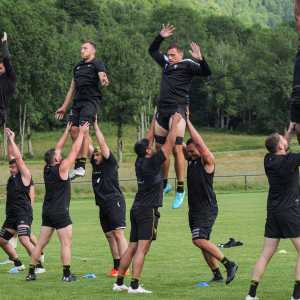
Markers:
9,149
150,133
69,161
6,60
171,138
59,114
207,158
31,194
289,134
201,69
101,141
61,143
91,149
103,79
25,174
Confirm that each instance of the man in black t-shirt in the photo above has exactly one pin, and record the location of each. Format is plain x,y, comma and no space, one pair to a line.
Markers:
18,206
176,80
109,198
56,205
283,208
8,80
203,207
144,213
86,78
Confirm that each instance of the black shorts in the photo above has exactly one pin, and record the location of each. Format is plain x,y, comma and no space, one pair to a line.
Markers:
84,111
284,224
296,78
113,217
12,222
295,105
144,221
201,225
58,222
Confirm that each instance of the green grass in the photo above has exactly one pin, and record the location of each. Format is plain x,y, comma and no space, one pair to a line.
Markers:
173,266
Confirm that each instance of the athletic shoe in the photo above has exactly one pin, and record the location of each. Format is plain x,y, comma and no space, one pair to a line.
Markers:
8,261
231,273
39,270
291,298
30,277
70,278
72,174
178,200
253,298
117,273
79,172
138,290
167,189
42,257
215,280
113,270
118,288
18,268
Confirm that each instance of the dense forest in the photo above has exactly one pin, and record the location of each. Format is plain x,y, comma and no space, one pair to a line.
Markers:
250,46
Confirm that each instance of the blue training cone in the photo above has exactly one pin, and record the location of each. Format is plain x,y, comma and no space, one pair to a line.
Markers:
202,284
90,275
13,271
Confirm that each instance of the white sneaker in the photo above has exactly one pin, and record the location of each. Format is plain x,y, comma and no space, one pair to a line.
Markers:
251,298
79,172
118,288
19,268
42,257
39,270
72,174
138,290
8,261
294,298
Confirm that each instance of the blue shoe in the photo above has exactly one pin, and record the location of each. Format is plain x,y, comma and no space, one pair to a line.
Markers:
168,189
178,200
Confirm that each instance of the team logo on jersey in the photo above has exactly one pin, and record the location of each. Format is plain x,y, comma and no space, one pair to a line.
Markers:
78,68
175,66
22,222
88,65
190,162
71,113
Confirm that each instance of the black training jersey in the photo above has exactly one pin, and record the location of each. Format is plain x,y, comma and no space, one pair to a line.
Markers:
176,79
18,199
87,79
201,195
150,180
105,180
8,80
283,176
58,192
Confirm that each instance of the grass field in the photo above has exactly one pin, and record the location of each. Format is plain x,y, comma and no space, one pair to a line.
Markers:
173,266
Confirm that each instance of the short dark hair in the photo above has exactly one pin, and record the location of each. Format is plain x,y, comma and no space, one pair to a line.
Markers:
49,156
141,146
189,141
1,60
91,43
13,161
272,142
176,46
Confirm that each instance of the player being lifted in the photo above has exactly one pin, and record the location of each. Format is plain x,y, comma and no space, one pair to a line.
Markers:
8,80
87,76
177,75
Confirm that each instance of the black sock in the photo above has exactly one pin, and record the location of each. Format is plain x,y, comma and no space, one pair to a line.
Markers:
180,185
165,182
116,264
82,162
43,253
253,287
66,269
17,262
120,280
134,283
296,293
227,263
217,273
31,269
39,265
77,163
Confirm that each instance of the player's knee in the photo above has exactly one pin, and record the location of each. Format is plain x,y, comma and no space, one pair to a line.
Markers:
5,236
119,236
200,243
74,133
24,232
177,150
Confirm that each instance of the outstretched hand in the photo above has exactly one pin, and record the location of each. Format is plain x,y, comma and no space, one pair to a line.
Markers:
176,117
10,134
95,121
104,80
167,31
196,52
84,128
59,114
4,37
69,126
292,126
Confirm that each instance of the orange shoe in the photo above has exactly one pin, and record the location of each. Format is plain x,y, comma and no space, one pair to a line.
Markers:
117,273
113,272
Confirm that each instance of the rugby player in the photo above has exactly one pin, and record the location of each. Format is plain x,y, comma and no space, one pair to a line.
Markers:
18,206
8,81
203,207
177,76
144,213
87,76
283,206
56,205
109,198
